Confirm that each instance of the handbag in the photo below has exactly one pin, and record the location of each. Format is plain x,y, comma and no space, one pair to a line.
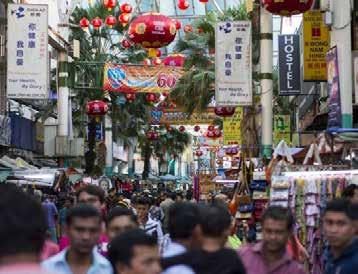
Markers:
258,185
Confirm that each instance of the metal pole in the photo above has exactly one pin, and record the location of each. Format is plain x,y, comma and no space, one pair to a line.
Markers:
109,144
341,37
63,94
266,81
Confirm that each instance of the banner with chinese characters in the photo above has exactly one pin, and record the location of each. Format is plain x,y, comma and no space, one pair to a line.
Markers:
289,56
27,61
233,66
316,44
129,78
282,129
334,93
232,128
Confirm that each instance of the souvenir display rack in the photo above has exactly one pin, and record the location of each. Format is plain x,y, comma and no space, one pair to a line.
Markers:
307,193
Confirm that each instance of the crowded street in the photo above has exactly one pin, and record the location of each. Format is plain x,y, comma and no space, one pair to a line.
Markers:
178,137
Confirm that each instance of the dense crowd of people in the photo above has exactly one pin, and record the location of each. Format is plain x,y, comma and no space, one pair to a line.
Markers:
170,234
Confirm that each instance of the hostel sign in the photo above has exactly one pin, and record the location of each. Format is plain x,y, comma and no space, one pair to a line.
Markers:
290,66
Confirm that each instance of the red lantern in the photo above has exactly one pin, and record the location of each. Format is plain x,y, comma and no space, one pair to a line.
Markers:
84,23
174,60
210,134
151,97
126,8
152,135
177,24
287,7
188,28
96,108
196,128
163,104
130,97
157,61
124,18
159,53
109,4
96,22
231,151
165,94
183,4
217,133
224,111
147,62
125,43
204,1
181,128
110,21
152,30
200,30
199,153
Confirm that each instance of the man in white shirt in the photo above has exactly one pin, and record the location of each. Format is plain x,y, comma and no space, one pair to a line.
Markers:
185,234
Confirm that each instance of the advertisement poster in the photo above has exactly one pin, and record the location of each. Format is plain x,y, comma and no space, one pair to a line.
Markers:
316,42
129,78
334,101
27,61
233,66
232,128
282,129
289,64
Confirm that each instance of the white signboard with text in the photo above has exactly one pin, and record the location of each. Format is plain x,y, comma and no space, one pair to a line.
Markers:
233,64
27,62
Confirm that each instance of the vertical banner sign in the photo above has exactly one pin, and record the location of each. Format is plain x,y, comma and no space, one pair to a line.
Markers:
290,65
282,129
316,45
233,64
27,61
334,102
232,128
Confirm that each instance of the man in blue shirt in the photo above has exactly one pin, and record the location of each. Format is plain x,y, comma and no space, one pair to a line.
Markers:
83,229
340,232
51,214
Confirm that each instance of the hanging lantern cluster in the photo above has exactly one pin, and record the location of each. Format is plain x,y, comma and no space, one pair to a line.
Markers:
174,60
224,111
198,153
152,135
96,108
287,7
183,4
196,128
231,151
130,97
110,20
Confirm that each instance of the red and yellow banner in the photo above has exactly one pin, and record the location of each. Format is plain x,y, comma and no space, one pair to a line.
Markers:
129,78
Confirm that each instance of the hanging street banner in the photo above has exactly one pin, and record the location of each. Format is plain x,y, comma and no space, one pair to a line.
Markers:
180,117
282,129
27,59
129,78
232,128
316,43
334,94
233,66
290,65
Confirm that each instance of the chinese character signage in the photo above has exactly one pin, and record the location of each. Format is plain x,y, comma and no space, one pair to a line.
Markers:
27,62
282,129
232,128
126,78
334,102
289,62
316,45
233,64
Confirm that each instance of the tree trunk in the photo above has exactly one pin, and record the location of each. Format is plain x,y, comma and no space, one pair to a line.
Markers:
147,154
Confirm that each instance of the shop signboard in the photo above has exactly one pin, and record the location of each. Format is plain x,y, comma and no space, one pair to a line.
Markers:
282,129
316,42
334,101
27,62
232,128
289,64
180,117
151,79
233,66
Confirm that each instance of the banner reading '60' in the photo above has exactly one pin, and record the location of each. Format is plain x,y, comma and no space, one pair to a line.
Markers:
129,78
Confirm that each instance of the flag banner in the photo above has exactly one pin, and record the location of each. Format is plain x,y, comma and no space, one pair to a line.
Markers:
130,78
233,66
282,129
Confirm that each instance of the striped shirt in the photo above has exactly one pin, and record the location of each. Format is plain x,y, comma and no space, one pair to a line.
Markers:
153,228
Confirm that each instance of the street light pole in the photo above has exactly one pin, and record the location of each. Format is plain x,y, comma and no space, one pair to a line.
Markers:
266,56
